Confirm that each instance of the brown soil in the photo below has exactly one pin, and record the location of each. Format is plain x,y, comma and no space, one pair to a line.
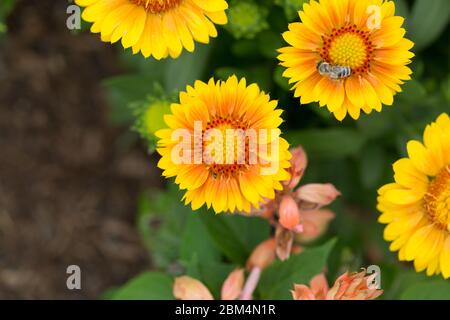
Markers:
68,183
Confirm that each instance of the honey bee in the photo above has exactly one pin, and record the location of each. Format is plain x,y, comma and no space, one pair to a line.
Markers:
332,71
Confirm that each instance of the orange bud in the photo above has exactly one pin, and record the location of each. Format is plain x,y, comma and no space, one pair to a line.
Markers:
317,193
289,214
232,287
299,162
315,224
262,255
187,288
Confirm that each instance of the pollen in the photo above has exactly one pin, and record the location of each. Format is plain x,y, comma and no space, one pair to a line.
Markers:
349,47
157,6
437,199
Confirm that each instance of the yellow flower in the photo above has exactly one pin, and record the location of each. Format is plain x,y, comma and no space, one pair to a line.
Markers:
416,208
156,28
223,146
364,35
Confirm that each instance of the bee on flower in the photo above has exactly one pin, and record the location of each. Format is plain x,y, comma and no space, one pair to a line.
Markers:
347,55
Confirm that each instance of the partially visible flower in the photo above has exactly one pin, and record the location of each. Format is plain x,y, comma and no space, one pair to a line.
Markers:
187,288
150,117
232,287
247,18
416,208
157,28
346,33
355,286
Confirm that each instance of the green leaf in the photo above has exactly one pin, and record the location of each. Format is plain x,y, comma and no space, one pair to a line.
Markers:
430,290
147,286
279,278
236,235
161,219
197,241
372,164
124,90
187,68
428,20
210,273
333,143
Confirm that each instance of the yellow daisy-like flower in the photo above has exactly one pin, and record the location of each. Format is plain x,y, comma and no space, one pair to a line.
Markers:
361,36
231,155
155,28
416,208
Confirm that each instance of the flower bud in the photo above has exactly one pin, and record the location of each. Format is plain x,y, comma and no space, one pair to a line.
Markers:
232,287
299,162
262,255
315,223
187,288
318,194
289,214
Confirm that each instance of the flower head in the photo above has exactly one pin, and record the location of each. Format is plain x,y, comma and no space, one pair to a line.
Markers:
157,28
355,286
416,207
224,147
361,36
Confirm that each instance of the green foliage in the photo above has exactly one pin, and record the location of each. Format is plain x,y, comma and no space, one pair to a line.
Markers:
147,286
429,290
236,235
428,20
279,278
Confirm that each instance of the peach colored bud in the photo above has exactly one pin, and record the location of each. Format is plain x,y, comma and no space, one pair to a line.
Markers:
302,292
317,193
299,161
232,287
262,255
187,288
353,287
284,239
289,214
315,223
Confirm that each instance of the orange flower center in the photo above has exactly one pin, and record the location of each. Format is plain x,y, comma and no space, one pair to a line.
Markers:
229,154
157,6
348,47
437,199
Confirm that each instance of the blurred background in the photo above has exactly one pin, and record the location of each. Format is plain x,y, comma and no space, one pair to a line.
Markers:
77,186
